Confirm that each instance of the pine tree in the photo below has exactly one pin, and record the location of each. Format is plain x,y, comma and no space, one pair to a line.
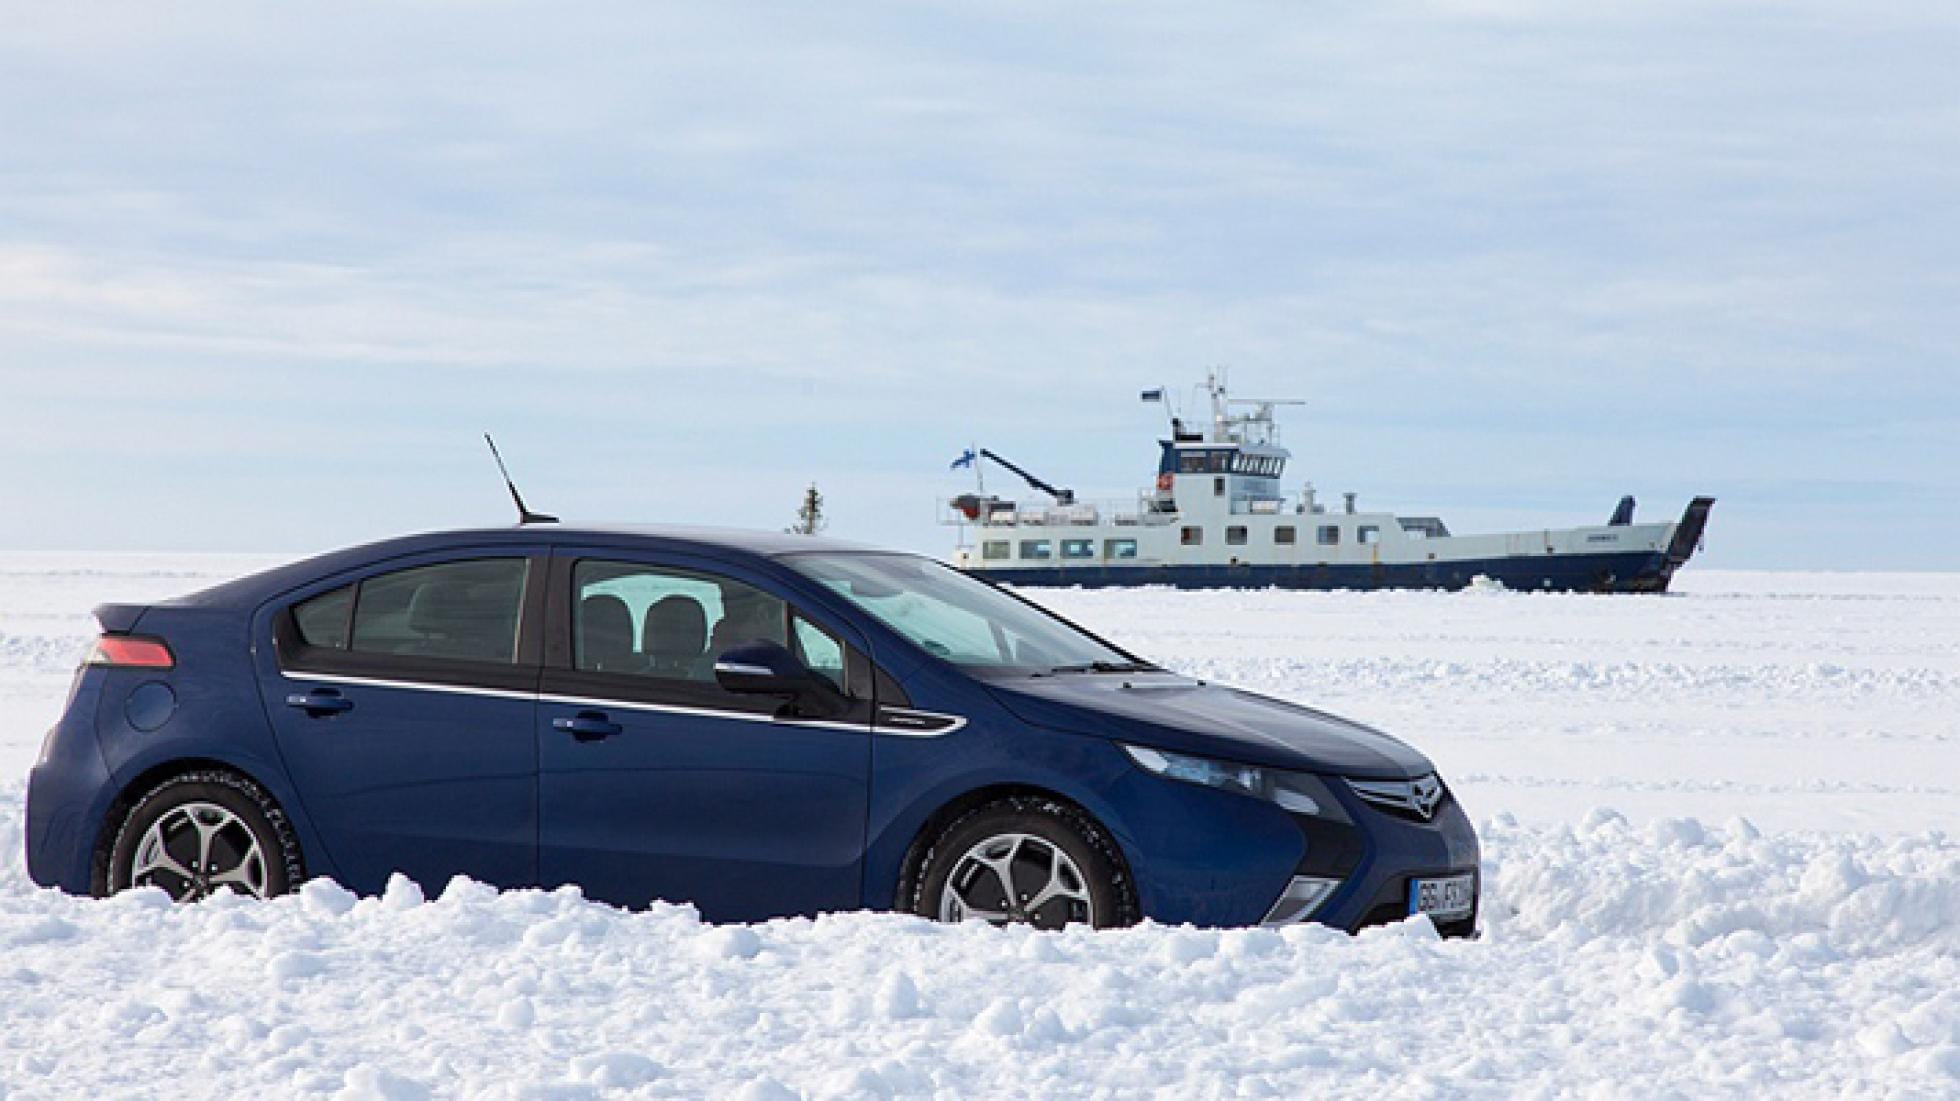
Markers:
809,517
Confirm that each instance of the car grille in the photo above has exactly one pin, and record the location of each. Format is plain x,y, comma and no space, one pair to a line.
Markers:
1418,799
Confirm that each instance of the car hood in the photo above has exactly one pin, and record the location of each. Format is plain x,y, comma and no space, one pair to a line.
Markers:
1189,716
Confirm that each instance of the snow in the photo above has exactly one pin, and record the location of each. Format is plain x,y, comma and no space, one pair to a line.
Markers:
1772,905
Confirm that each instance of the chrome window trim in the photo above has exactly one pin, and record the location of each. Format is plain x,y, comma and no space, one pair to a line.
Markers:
955,722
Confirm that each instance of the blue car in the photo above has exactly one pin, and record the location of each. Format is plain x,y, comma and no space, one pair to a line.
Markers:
760,725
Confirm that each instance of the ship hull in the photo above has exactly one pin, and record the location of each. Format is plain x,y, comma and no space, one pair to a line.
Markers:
1619,572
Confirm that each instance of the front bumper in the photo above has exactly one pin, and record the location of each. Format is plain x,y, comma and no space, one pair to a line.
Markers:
1375,860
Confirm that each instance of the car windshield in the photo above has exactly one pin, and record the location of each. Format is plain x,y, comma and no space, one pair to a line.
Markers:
960,619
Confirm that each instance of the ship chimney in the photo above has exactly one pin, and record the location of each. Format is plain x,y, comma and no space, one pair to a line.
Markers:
1350,502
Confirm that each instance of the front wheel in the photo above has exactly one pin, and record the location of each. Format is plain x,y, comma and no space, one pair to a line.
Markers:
200,833
1025,861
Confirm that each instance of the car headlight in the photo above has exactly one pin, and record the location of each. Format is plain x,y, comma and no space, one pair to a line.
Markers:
1298,792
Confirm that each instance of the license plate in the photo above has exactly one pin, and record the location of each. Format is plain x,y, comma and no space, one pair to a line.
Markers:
1444,898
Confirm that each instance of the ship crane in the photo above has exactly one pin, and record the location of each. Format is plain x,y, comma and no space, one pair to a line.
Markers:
974,506
1061,496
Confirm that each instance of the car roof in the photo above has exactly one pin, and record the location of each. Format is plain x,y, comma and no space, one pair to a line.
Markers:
762,544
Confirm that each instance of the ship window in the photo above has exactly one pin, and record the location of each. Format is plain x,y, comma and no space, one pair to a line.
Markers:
1078,548
1191,462
1235,535
1192,536
1330,535
1371,534
1119,548
994,549
1221,461
1284,535
1037,548
1218,487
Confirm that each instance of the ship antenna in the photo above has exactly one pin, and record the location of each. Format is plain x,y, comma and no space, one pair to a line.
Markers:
524,515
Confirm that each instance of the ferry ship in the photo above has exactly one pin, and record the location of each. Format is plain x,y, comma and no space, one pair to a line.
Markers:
1217,517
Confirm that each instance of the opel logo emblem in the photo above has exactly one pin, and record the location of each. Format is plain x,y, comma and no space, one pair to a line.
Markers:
1425,794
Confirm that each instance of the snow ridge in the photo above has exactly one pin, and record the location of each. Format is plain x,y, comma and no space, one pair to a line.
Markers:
1676,956
1773,909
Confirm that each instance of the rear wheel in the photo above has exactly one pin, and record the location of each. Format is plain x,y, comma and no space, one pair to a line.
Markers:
200,833
1025,861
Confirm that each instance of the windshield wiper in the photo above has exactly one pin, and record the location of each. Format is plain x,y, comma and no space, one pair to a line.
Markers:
1109,667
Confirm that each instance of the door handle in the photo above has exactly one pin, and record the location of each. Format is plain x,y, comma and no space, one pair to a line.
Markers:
588,726
320,702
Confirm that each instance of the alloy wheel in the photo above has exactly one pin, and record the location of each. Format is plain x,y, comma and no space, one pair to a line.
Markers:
194,850
1017,878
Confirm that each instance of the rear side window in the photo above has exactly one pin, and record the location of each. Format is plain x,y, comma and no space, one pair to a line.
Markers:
465,611
322,621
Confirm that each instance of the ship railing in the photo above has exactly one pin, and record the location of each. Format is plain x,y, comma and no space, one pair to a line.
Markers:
1143,511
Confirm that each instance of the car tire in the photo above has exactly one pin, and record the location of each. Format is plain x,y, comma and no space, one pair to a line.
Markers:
200,832
1061,866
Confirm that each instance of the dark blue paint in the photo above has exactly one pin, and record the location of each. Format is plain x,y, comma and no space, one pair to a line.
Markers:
745,818
149,705
407,779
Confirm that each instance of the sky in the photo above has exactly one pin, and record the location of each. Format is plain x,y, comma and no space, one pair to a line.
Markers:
268,271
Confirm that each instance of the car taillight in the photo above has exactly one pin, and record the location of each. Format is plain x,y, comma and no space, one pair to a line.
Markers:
130,652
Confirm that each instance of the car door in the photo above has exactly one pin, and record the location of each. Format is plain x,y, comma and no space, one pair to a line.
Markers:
655,783
403,700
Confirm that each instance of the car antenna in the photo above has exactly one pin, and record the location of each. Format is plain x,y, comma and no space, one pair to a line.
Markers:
524,515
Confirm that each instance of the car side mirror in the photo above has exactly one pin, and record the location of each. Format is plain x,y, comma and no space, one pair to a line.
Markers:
768,669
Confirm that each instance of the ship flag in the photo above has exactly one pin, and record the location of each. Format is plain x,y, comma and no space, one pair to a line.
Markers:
966,459
1154,395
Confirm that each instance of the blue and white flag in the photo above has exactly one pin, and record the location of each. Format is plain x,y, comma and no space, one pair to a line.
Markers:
1154,395
966,459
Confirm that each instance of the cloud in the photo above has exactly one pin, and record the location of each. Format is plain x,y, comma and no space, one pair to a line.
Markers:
1680,238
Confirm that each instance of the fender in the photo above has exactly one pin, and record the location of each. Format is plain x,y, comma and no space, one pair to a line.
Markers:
1081,770
150,764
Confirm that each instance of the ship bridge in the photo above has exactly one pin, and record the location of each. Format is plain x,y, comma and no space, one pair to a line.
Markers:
1201,475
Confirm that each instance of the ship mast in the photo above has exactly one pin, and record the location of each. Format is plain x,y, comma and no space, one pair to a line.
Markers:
1255,427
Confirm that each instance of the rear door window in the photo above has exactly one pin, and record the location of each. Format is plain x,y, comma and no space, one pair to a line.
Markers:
323,620
463,611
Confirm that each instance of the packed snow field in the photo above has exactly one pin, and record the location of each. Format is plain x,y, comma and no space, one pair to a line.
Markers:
1771,906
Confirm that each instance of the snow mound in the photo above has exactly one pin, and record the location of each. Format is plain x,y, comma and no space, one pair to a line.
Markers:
1666,948
1678,956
